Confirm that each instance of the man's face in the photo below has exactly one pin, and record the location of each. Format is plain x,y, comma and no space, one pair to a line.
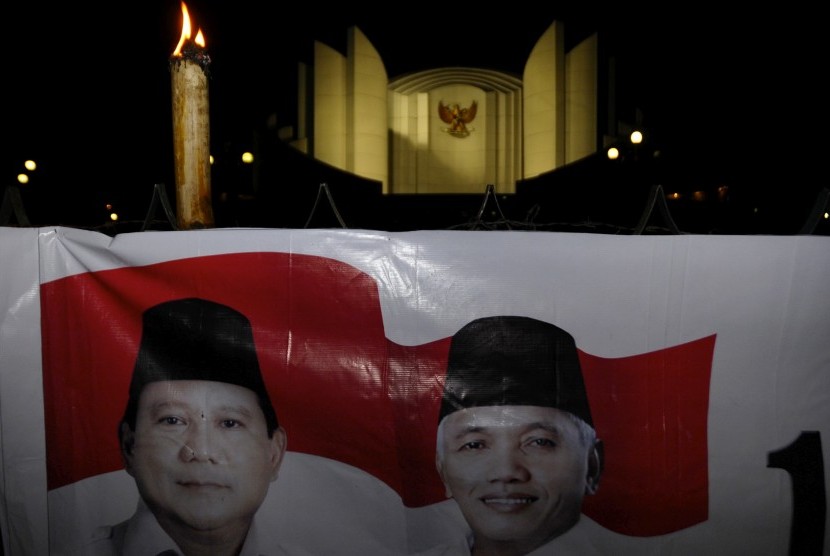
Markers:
518,473
200,453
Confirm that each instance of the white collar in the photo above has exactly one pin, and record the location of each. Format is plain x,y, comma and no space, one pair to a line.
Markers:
145,536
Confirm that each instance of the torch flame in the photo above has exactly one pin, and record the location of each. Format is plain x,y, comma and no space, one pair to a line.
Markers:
187,31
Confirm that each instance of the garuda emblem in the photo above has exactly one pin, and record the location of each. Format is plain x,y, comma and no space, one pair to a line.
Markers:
457,117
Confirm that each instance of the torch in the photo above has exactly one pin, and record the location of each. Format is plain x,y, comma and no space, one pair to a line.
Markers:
189,67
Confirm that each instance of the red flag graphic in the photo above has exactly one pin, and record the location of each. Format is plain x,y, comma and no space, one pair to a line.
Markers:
345,392
651,412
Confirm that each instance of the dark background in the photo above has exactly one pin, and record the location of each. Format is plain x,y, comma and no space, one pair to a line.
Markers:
727,99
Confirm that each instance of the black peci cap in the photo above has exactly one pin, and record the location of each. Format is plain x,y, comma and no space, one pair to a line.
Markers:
197,339
513,360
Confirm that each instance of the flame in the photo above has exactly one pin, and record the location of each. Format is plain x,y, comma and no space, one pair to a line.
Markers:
187,31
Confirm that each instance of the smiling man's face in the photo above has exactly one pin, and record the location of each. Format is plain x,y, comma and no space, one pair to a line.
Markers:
201,455
518,473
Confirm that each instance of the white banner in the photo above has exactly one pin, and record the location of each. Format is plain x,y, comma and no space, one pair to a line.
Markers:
702,362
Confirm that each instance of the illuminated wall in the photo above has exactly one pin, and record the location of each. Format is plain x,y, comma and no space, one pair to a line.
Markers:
431,155
544,103
350,119
581,123
330,131
393,132
367,143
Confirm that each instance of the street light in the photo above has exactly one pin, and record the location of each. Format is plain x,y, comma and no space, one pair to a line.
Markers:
30,166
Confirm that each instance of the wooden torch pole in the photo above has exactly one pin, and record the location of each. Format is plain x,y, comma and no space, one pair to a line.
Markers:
189,66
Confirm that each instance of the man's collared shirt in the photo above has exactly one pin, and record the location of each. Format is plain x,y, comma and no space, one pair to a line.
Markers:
573,542
141,535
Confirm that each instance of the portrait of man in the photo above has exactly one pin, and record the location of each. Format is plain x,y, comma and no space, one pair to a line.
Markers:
516,448
199,435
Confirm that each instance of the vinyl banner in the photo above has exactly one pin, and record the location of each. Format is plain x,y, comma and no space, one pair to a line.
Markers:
340,392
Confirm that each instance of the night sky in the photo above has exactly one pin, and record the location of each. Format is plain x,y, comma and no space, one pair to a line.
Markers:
87,88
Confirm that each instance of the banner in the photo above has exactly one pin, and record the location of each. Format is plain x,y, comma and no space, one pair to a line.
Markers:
430,391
